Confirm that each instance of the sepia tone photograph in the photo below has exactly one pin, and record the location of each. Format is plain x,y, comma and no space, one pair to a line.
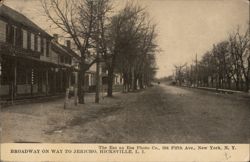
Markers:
120,71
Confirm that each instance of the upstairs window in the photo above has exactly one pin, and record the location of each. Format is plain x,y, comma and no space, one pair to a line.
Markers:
38,43
2,31
62,60
44,47
12,35
32,41
18,41
48,48
15,36
25,39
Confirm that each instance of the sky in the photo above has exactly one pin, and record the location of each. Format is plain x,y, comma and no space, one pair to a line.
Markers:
185,27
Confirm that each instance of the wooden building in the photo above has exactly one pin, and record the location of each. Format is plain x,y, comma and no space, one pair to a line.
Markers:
32,63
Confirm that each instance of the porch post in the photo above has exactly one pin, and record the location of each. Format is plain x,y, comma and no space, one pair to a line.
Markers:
55,81
32,80
14,82
70,75
47,82
0,69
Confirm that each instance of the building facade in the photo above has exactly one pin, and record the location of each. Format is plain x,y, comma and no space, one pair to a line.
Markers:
32,63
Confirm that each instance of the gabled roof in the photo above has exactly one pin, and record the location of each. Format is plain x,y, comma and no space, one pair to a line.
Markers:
60,48
15,16
71,52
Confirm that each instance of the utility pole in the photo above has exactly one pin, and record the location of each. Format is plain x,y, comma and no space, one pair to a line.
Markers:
0,69
97,94
196,70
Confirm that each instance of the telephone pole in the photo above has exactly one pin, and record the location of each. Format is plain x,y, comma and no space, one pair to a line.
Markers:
97,94
196,70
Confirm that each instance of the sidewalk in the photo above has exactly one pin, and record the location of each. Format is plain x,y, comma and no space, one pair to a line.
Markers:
89,97
225,91
48,121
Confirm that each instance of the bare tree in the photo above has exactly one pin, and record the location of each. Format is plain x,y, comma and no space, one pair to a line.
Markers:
227,62
180,73
137,47
121,23
239,49
77,19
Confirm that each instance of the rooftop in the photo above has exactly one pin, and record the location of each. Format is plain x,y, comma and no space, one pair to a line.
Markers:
17,17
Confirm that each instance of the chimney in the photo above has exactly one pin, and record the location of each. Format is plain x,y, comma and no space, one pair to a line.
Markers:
56,37
68,44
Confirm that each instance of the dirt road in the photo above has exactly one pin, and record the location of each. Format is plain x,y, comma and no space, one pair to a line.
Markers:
161,114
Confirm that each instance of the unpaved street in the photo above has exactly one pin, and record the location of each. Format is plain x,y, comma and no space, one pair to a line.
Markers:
161,114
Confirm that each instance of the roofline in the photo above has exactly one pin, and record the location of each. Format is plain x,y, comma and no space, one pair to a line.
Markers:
65,49
36,28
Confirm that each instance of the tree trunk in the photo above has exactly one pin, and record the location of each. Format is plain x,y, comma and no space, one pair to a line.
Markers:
247,85
97,93
229,82
81,80
212,81
141,82
125,83
223,83
219,82
241,85
237,82
135,84
110,82
133,79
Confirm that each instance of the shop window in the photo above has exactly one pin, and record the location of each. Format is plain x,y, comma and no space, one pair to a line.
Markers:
4,73
21,77
28,77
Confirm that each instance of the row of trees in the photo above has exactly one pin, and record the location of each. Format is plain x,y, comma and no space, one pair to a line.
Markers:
124,40
226,66
134,45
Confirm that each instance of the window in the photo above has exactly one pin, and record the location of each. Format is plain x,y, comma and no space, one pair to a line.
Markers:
2,31
25,39
32,41
18,41
73,79
23,75
62,60
38,43
13,35
70,61
44,46
48,47
4,74
66,60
